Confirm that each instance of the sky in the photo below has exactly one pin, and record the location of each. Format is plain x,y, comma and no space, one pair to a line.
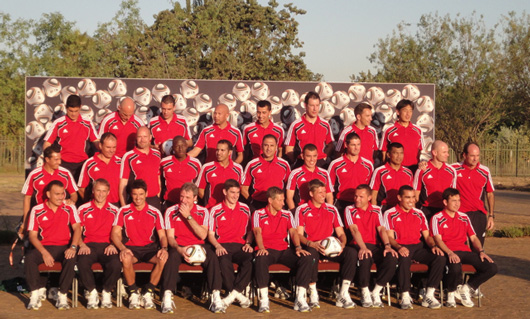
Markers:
338,35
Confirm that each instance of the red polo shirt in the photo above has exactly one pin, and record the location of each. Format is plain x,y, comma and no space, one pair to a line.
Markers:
318,223
138,165
346,175
387,182
140,226
302,132
53,227
260,175
212,178
95,168
212,134
97,222
253,135
407,226
72,137
432,182
472,185
300,178
230,225
369,140
454,230
367,222
38,179
274,228
177,173
184,234
163,131
125,133
411,137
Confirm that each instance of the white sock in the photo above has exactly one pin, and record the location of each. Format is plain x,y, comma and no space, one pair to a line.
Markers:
365,290
345,287
301,293
430,292
405,294
313,288
263,293
377,289
216,295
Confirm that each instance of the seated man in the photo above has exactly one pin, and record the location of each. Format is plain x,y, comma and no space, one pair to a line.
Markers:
186,225
451,229
405,226
140,222
231,236
97,217
49,233
316,221
272,227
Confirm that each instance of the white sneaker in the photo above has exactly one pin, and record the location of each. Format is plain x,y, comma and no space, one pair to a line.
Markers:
344,301
42,293
228,300
35,301
366,298
243,300
217,306
313,298
62,301
376,300
106,300
462,293
430,302
475,293
406,302
300,304
281,293
92,299
450,302
264,306
167,302
147,301
134,300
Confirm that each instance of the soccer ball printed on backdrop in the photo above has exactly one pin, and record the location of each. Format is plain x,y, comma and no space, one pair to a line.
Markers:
196,99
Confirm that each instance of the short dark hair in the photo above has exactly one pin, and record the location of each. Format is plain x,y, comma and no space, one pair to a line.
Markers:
314,184
73,101
450,192
351,136
309,147
403,103
264,103
269,136
179,138
229,183
139,183
168,99
106,136
360,108
48,151
466,147
274,191
227,143
311,95
54,183
101,181
404,188
393,145
365,187
190,187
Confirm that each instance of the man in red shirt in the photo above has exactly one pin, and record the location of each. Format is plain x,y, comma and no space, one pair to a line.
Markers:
214,174
387,179
220,130
407,134
473,180
104,164
142,162
297,184
142,223
254,133
168,124
178,169
97,217
405,226
123,124
231,236
73,134
367,134
186,225
349,171
263,172
451,230
365,222
49,233
309,129
273,227
315,221
430,182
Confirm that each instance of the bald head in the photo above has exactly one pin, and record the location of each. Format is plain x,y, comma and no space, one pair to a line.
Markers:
220,114
126,109
143,137
471,154
440,151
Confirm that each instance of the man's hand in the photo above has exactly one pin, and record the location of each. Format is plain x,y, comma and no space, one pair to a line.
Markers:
484,256
247,248
453,258
389,250
437,251
220,251
262,252
302,252
490,224
162,254
110,250
69,202
183,252
364,253
70,253
48,259
403,251
84,250
184,210
422,166
124,253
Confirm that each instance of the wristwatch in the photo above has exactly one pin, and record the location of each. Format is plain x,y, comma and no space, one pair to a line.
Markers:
189,217
73,247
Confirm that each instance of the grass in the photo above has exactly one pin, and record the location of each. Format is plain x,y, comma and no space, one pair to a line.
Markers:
510,232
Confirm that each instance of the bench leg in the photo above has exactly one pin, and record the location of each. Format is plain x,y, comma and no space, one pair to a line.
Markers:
442,292
119,300
388,293
479,299
74,292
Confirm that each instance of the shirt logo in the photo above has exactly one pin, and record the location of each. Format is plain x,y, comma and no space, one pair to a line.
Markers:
223,218
266,222
459,175
178,219
429,176
302,179
344,170
309,215
259,170
255,135
169,170
96,169
130,218
389,177
398,219
303,132
358,216
90,216
214,175
445,226
65,131
115,127
211,135
395,134
45,218
138,162
158,129
41,183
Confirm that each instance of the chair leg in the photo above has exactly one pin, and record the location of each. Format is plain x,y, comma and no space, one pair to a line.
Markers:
388,293
442,292
74,293
479,298
119,300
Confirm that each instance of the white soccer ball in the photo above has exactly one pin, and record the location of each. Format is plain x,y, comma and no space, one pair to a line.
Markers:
117,88
35,96
229,100
189,89
86,87
87,112
347,115
290,97
332,246
101,99
340,100
425,122
43,113
248,106
34,130
393,96
143,113
142,96
424,104
66,92
180,103
241,91
167,147
100,115
197,254
52,87
374,95
387,112
232,118
159,91
326,110
276,104
191,115
260,91
302,99
59,109
324,90
410,92
203,103
357,92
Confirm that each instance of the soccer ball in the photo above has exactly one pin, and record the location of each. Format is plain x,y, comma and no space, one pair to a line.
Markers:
117,88
332,246
241,91
424,104
411,92
142,96
52,87
233,118
276,104
392,97
100,115
87,112
248,106
180,103
34,130
340,99
326,110
357,92
290,97
374,95
229,100
302,99
59,110
86,87
43,113
191,115
202,103
260,91
35,96
101,99
347,115
324,90
197,254
142,112
425,122
189,89
387,112
66,92
167,147
159,91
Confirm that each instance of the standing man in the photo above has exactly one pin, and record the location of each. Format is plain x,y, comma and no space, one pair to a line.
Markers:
49,233
231,236
451,229
263,172
214,174
168,124
309,129
142,223
123,124
142,162
74,135
273,227
104,164
473,180
97,217
254,133
405,227
220,130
